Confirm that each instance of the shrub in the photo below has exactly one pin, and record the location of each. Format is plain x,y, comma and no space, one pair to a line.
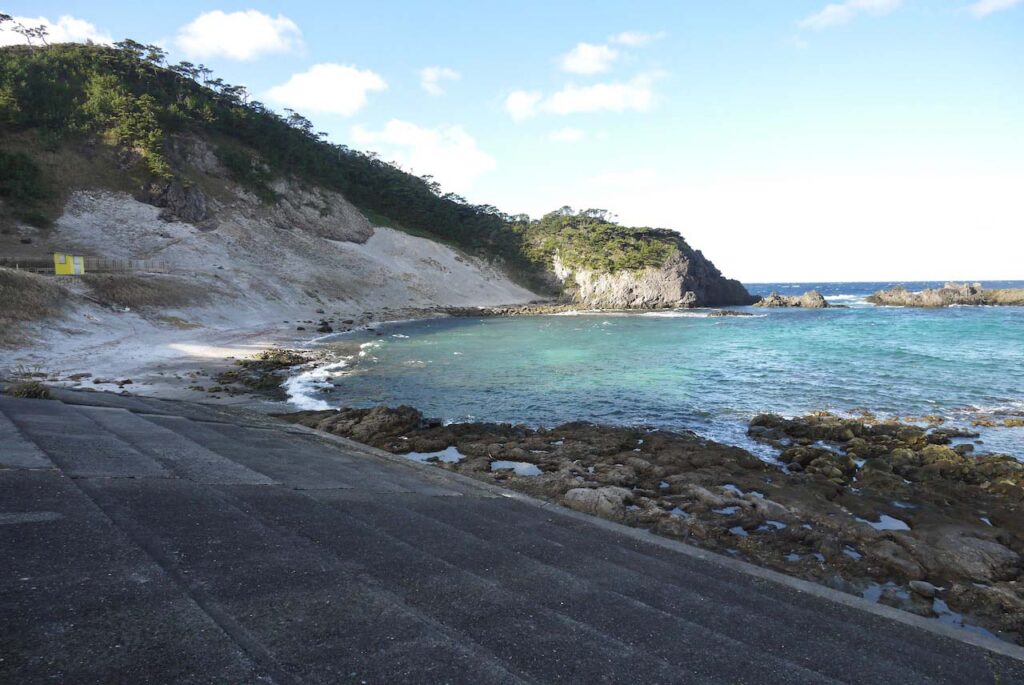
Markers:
29,390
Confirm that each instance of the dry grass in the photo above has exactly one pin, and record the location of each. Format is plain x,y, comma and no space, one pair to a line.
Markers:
136,291
177,322
25,297
30,390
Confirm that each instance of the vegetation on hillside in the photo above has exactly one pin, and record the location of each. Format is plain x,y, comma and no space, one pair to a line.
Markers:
22,188
126,97
590,239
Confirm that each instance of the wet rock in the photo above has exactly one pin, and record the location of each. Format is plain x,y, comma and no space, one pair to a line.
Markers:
947,434
923,588
999,606
894,559
960,553
378,426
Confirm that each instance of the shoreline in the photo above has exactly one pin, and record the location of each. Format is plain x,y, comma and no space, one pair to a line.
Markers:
718,478
84,360
178,363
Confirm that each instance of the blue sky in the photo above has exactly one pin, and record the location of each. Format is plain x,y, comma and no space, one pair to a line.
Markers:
796,140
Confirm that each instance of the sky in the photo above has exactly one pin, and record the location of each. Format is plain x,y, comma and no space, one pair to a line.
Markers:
791,140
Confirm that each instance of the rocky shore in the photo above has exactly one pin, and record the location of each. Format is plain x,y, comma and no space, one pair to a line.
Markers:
542,308
949,295
895,512
811,299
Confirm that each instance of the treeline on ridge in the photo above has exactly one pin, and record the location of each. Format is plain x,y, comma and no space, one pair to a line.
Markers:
127,95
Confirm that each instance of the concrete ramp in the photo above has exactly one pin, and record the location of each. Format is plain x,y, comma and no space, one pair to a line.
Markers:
143,544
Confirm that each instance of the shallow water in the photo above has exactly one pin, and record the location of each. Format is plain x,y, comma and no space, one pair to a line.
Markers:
691,371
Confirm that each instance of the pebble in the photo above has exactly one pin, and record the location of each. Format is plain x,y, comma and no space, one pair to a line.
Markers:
923,588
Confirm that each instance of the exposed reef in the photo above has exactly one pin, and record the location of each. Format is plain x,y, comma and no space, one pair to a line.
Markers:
949,295
897,512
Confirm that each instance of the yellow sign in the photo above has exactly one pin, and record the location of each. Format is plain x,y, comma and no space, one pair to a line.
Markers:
68,265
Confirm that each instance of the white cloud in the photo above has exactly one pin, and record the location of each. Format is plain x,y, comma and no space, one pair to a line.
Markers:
636,39
587,58
431,77
66,29
983,8
239,35
328,88
566,135
841,13
716,214
522,104
631,180
447,153
635,94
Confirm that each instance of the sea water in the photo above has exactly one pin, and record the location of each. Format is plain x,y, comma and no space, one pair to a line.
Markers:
688,370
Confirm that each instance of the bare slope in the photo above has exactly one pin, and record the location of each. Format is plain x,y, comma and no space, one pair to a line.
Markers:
241,275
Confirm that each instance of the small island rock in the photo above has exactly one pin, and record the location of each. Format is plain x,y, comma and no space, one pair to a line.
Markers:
811,299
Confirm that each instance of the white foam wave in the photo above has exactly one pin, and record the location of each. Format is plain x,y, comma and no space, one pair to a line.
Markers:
368,347
303,388
665,313
674,314
1010,408
592,312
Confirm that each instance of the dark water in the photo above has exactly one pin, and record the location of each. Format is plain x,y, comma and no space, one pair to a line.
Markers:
684,369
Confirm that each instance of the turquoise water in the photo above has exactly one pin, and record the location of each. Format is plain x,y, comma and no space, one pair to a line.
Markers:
686,370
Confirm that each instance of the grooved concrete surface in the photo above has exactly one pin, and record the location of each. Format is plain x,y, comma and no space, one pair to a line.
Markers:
151,541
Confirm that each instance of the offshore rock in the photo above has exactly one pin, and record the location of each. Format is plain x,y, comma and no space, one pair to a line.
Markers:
811,299
948,295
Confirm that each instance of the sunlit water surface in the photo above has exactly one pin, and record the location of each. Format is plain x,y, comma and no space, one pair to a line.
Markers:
687,370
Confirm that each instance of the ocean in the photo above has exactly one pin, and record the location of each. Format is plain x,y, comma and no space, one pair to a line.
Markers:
688,370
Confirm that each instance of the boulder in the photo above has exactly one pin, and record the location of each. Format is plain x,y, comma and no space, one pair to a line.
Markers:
607,502
377,426
959,553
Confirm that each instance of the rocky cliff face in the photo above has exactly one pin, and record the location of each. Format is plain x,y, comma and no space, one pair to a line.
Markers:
687,279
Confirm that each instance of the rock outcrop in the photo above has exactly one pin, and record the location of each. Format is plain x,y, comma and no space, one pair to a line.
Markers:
811,299
687,279
861,504
948,295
